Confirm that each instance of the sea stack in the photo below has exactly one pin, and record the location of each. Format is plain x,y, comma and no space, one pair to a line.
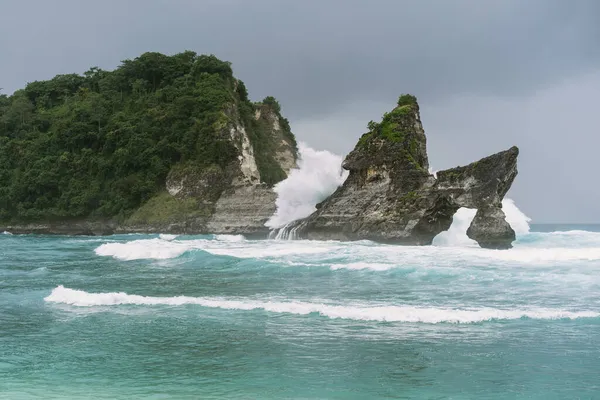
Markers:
391,197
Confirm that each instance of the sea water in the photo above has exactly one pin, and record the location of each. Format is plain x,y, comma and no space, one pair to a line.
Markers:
222,317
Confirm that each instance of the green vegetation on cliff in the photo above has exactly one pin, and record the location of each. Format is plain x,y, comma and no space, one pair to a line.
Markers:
101,144
398,126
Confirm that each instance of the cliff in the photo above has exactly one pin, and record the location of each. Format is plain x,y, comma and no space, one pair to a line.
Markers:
391,197
232,200
160,144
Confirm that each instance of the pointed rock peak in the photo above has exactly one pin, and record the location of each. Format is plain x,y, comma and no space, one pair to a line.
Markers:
397,142
389,195
408,100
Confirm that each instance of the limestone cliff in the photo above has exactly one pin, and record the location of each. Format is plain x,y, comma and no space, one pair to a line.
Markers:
235,199
248,203
390,196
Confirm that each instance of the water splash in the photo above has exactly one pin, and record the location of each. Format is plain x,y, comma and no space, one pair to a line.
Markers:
318,175
515,217
456,235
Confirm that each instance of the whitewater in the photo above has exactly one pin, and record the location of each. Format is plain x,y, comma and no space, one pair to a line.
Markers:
221,316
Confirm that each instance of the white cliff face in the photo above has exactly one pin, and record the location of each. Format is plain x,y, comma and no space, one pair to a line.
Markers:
276,126
248,165
283,155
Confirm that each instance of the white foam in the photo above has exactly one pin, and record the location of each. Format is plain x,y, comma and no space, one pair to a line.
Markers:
456,235
515,217
545,249
224,245
230,238
166,236
542,255
364,312
318,175
268,250
357,266
157,249
6,233
575,232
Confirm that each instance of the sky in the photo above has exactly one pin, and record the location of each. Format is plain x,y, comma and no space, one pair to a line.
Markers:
488,74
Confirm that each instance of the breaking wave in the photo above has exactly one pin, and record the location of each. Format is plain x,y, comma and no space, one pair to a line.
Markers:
456,235
363,312
165,236
318,174
531,249
156,249
230,238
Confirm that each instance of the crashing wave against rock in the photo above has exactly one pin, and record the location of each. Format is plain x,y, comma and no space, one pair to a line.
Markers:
391,197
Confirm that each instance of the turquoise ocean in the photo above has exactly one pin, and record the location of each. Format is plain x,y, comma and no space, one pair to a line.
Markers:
222,317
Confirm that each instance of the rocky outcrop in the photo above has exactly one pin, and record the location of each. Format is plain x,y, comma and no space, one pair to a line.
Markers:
201,199
391,197
247,203
233,200
243,210
284,143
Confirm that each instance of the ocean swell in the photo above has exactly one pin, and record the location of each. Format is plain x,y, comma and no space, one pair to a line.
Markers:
363,312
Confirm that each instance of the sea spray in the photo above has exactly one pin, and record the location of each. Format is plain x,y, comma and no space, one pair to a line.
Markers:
318,174
167,237
515,217
456,235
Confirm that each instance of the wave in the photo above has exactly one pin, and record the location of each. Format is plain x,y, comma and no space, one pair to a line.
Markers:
574,232
431,315
357,266
224,245
157,249
456,235
168,237
515,217
318,175
230,238
6,233
549,250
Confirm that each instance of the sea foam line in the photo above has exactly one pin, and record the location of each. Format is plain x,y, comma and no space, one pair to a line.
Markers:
157,249
362,312
234,246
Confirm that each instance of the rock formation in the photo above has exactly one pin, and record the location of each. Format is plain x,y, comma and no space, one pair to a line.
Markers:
160,144
234,200
391,197
200,200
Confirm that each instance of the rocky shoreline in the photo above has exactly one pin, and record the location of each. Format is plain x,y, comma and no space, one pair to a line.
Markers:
107,228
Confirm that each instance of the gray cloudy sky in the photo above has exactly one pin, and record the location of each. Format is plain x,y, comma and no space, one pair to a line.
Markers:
488,74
